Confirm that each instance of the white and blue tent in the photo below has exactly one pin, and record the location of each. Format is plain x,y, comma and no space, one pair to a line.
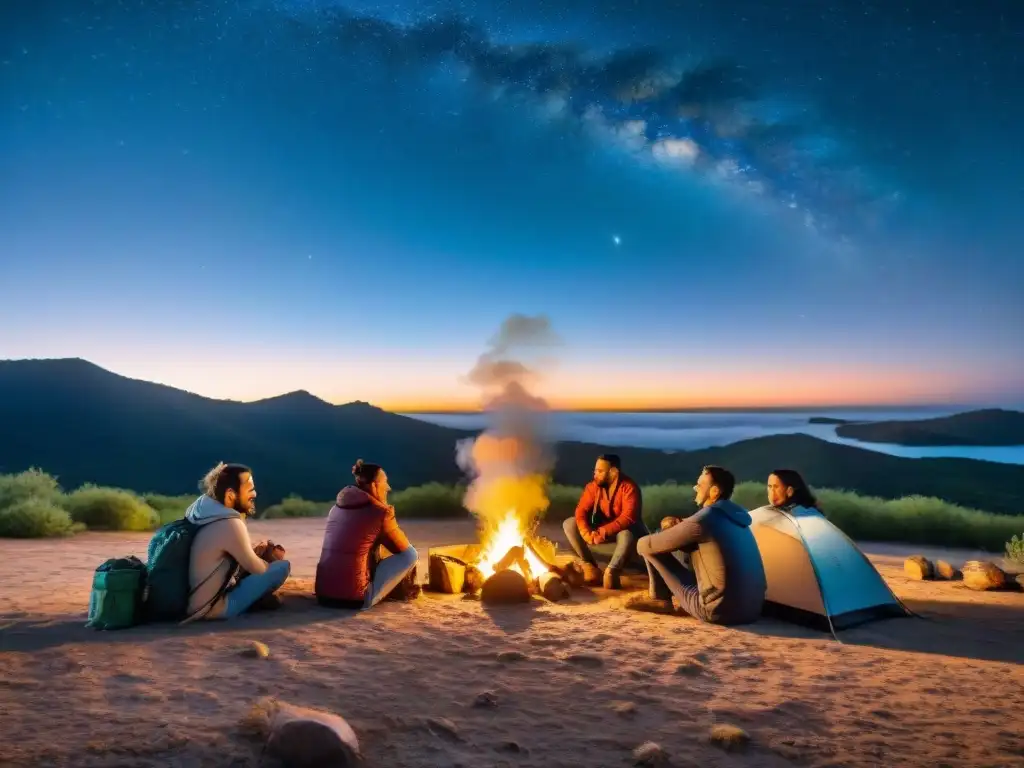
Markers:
817,576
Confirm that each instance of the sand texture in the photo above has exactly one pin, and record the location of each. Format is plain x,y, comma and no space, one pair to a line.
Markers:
445,682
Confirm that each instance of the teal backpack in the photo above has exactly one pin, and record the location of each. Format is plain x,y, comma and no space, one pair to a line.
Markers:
168,559
118,588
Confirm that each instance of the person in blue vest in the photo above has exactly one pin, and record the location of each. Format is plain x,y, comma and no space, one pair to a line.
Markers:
709,561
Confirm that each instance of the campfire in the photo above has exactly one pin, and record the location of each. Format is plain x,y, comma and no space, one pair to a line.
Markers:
509,466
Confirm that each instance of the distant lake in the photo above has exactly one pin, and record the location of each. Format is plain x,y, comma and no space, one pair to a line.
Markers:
690,431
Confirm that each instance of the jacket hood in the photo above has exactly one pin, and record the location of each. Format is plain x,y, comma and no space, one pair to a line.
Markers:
207,510
733,511
352,496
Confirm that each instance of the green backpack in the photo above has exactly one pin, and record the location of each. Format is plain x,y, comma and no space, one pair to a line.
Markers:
118,587
168,559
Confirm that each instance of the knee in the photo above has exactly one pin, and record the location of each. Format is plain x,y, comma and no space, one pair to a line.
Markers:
410,554
280,568
625,536
569,526
643,545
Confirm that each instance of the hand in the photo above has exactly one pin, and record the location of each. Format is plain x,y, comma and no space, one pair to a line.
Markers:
588,536
668,522
275,553
598,538
260,549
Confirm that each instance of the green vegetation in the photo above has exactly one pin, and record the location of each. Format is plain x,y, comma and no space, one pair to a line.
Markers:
32,504
1015,549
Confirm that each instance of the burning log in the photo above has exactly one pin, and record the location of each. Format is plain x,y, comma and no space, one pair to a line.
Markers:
552,587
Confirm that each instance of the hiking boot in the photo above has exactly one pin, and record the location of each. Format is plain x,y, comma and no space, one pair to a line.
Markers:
612,578
591,574
649,604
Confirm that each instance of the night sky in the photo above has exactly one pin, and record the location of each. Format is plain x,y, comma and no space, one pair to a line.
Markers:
716,203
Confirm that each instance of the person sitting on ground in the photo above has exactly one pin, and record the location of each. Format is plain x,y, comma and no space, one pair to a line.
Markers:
609,509
222,549
349,574
787,490
722,581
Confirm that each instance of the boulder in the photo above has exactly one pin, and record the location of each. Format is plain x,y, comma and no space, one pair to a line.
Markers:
505,587
919,567
982,575
301,737
945,571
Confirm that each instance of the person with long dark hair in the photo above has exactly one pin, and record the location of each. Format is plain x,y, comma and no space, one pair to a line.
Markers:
350,574
787,489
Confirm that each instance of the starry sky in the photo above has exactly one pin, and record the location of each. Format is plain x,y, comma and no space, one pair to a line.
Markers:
715,204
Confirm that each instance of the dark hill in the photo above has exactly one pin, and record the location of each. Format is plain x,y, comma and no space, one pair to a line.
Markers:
989,427
86,424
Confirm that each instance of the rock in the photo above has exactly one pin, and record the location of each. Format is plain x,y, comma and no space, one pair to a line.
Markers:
944,570
485,700
506,657
505,587
303,737
1019,581
585,660
255,650
650,753
511,746
690,669
982,575
443,727
729,737
626,709
918,567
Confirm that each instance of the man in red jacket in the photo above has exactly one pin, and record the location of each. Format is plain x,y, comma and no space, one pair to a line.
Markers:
609,509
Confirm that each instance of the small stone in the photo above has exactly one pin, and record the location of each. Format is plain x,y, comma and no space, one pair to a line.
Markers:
982,574
443,727
486,699
690,669
585,660
625,709
651,754
255,650
918,567
945,571
511,746
729,737
507,657
307,737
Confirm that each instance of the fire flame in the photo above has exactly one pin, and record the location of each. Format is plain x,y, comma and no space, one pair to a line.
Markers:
508,533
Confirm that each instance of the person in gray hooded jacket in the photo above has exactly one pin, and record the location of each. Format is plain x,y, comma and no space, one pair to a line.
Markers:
710,560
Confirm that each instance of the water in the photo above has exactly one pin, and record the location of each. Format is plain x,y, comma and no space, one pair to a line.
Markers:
690,431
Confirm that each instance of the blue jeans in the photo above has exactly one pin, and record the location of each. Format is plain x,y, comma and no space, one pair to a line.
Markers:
390,572
625,543
254,586
670,574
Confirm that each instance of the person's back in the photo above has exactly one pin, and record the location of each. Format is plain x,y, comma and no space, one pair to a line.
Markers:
727,564
357,525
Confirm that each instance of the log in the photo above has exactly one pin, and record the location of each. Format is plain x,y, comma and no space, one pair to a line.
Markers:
505,587
552,587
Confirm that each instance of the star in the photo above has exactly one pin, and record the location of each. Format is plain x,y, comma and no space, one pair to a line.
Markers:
616,239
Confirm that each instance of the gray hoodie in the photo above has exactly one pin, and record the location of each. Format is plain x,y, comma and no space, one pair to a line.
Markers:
725,559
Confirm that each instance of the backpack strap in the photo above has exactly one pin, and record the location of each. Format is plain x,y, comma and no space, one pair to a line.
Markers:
208,606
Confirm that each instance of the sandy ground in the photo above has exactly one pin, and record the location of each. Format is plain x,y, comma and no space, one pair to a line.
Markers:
575,684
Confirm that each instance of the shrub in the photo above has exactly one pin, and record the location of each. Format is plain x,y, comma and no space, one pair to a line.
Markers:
433,500
33,518
31,484
110,509
294,506
169,508
1015,549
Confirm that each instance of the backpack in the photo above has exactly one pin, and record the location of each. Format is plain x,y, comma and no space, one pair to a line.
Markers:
168,565
168,561
116,599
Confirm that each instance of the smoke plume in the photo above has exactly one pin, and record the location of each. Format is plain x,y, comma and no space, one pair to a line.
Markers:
509,463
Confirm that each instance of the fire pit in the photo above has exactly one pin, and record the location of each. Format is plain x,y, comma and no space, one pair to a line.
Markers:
510,568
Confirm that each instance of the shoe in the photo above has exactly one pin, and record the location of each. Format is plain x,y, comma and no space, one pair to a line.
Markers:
649,604
612,578
591,574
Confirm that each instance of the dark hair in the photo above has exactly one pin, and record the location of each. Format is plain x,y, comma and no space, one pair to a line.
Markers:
802,495
612,459
223,478
723,478
365,473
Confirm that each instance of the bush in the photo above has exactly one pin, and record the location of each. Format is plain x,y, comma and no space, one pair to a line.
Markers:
169,508
1015,549
110,509
31,484
34,518
294,506
433,500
